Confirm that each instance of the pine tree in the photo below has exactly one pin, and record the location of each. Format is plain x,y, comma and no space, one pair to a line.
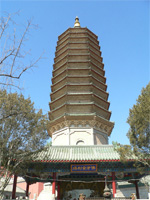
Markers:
139,121
139,133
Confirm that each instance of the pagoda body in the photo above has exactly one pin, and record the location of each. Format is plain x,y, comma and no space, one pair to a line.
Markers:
80,161
79,108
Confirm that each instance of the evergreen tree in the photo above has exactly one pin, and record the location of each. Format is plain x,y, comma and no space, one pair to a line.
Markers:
139,121
139,132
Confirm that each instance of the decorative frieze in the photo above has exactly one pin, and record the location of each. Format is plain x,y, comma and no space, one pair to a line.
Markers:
81,124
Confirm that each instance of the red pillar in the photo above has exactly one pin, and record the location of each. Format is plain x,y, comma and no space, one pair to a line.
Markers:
58,191
14,187
27,189
113,184
54,184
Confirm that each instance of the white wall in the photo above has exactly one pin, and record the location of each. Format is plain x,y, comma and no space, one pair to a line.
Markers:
71,136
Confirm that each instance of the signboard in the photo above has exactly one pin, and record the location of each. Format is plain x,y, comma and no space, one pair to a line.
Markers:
83,168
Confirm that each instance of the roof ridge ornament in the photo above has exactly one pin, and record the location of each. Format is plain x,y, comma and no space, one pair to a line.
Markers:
77,23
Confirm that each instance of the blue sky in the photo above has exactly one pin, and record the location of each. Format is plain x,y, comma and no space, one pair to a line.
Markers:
123,32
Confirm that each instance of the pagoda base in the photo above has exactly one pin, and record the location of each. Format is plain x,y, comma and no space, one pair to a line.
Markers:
79,136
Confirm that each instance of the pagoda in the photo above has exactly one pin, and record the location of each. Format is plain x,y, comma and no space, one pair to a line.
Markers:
79,108
80,161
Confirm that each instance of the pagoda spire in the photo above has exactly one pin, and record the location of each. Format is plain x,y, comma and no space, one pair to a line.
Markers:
77,23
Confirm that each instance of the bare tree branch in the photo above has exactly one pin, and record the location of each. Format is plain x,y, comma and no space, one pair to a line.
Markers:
6,56
3,25
19,46
12,60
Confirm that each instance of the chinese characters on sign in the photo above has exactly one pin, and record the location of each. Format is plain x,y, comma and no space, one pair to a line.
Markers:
79,168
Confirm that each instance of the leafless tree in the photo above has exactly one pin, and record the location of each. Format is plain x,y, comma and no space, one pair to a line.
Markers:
13,53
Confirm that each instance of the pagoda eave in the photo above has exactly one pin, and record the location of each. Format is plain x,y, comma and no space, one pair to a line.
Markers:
95,121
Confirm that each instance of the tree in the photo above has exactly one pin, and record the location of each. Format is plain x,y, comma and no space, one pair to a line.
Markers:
22,128
22,133
139,132
13,51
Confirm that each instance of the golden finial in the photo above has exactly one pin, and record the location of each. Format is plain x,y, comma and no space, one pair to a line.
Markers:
77,23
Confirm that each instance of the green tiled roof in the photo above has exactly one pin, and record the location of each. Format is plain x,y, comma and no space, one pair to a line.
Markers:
95,153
